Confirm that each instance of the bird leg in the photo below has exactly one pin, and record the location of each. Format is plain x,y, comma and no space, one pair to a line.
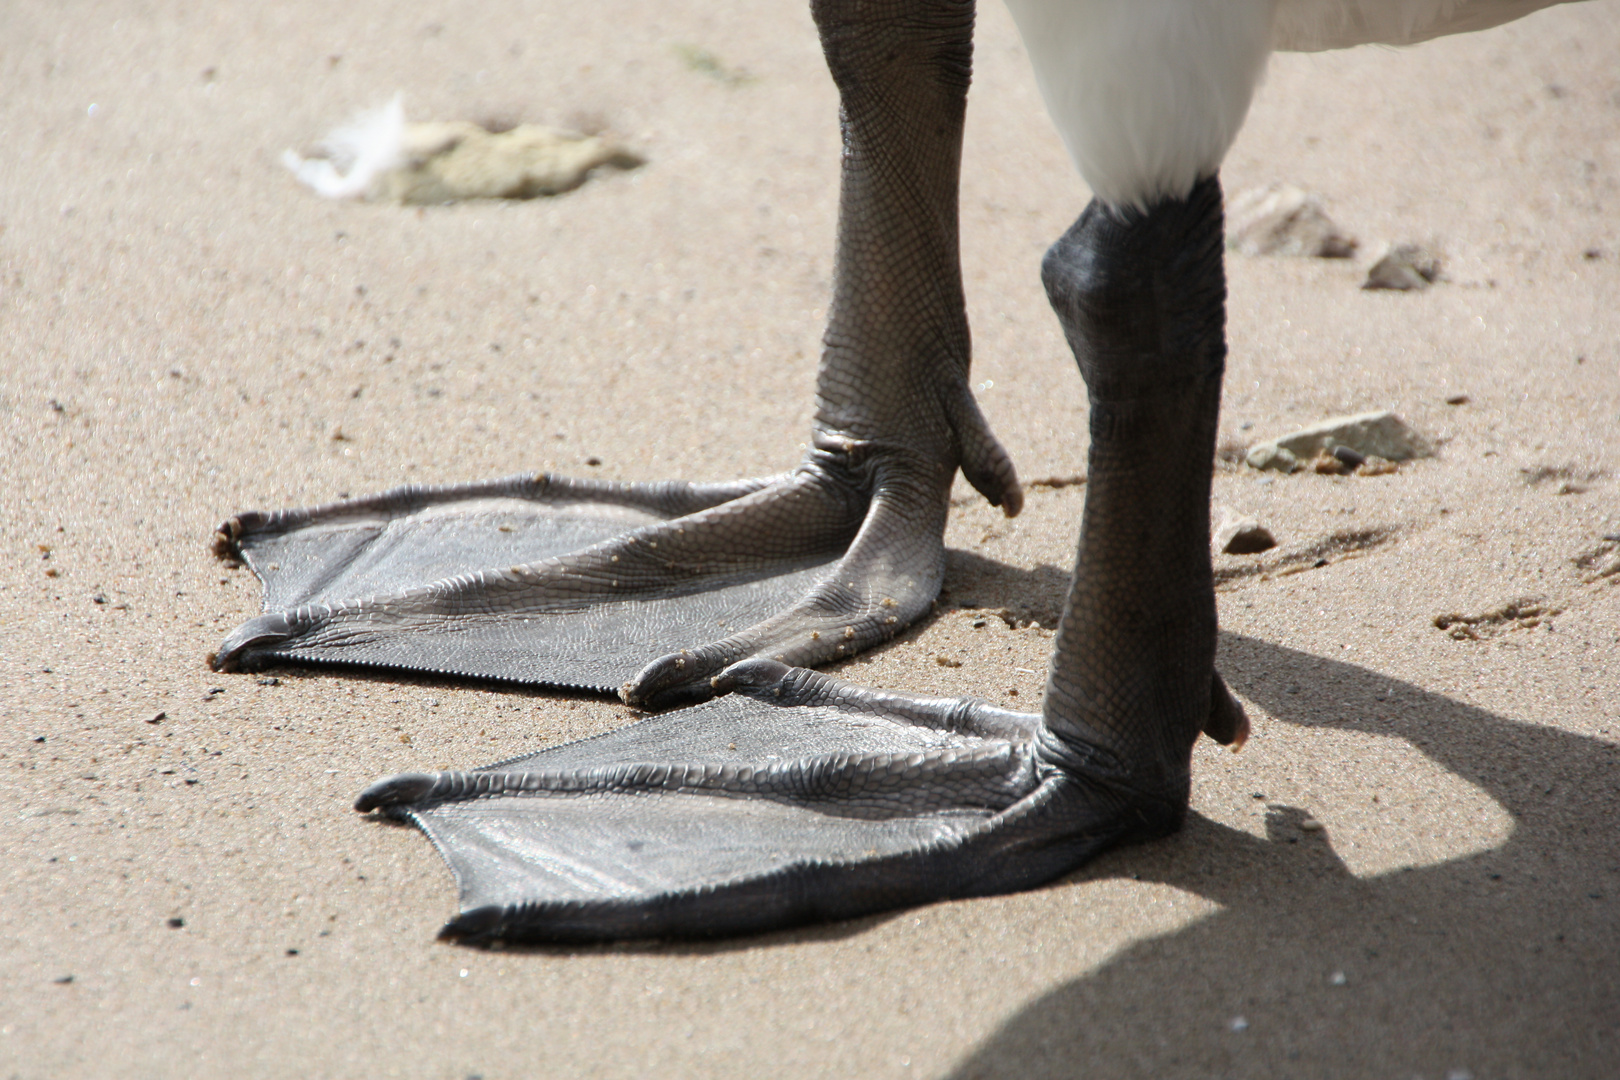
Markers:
666,585
801,797
1142,300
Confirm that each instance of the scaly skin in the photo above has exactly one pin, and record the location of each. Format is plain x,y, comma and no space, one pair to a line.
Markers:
894,415
1142,299
846,801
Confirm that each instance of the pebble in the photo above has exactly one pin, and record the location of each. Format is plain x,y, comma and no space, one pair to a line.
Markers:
1271,456
1237,535
1337,979
1283,220
458,160
1405,268
1379,434
1352,459
1327,463
1310,824
445,161
1377,466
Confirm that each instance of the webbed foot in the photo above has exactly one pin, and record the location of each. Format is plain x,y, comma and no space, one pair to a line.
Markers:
800,797
655,589
646,589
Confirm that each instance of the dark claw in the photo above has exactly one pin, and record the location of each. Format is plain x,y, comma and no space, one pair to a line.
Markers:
259,632
1228,723
395,791
475,926
758,674
682,678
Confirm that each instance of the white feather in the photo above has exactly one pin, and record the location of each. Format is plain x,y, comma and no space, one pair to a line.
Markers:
1312,25
357,153
1149,94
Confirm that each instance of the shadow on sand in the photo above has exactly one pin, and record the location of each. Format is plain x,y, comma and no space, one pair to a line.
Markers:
1501,964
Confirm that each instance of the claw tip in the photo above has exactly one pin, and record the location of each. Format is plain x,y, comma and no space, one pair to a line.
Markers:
395,790
756,674
477,924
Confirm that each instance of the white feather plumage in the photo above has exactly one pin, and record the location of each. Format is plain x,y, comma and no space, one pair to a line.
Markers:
1314,25
1149,94
357,153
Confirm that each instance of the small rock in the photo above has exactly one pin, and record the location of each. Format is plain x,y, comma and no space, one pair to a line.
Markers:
1457,399
176,923
378,155
1352,459
1404,267
159,718
1239,1024
1377,466
1283,220
1310,824
1327,463
1373,434
1237,535
458,160
1337,979
1271,456
945,661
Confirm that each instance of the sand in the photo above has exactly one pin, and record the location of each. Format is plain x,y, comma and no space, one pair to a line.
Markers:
187,333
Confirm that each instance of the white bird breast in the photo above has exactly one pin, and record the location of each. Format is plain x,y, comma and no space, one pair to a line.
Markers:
1149,94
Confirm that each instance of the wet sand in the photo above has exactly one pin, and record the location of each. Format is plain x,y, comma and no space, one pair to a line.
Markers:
189,334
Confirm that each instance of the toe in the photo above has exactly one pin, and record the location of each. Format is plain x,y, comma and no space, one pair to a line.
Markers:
395,791
257,633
